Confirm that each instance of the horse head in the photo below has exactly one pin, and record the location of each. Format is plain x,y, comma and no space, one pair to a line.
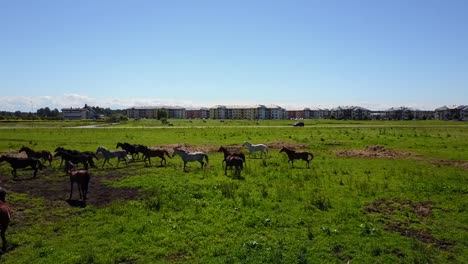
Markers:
246,143
283,149
221,149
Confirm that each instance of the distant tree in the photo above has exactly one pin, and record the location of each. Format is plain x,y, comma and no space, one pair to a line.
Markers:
162,113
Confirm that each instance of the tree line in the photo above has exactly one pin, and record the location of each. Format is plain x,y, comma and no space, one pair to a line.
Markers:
49,114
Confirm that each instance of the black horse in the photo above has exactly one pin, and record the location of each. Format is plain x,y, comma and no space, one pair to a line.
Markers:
84,159
20,163
227,153
293,155
76,156
40,154
129,148
148,153
236,162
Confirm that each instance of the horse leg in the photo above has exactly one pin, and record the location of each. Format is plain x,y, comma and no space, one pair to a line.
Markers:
13,172
35,173
202,163
71,190
4,242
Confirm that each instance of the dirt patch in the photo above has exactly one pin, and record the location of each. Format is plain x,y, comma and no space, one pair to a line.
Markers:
392,210
375,151
58,189
14,153
232,148
456,163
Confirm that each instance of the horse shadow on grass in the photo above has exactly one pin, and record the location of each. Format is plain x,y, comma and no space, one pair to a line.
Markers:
76,203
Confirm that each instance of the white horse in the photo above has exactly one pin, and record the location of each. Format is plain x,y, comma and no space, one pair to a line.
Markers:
256,147
119,154
191,156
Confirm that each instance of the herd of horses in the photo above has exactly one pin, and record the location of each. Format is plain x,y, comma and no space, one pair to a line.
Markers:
81,177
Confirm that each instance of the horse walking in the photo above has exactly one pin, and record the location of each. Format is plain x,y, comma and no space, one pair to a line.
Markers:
236,162
148,153
40,154
5,217
191,156
227,153
21,163
130,148
262,148
293,155
80,177
119,154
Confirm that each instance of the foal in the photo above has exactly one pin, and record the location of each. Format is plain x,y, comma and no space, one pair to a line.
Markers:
237,162
80,177
5,216
227,154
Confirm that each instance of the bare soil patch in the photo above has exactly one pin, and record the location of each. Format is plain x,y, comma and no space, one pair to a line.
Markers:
375,151
58,189
456,163
232,148
391,212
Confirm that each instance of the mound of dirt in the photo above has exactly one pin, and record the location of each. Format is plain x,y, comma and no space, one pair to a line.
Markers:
375,151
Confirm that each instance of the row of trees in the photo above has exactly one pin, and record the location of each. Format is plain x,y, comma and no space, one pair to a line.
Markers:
48,114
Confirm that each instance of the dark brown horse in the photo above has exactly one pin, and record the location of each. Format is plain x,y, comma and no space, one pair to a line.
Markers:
130,148
75,156
227,153
20,163
84,159
5,216
148,153
40,154
236,162
80,177
294,155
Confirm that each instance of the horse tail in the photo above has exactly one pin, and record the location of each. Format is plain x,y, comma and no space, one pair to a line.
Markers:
206,158
311,156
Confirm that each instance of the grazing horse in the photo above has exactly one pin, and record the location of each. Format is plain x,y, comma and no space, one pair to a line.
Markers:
191,156
119,154
80,177
148,153
256,147
5,216
20,163
236,162
131,149
293,155
227,154
41,154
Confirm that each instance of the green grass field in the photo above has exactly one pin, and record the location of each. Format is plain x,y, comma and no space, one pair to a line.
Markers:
407,204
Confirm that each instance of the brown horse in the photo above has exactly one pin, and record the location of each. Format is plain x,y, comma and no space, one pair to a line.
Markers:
80,177
236,162
20,163
5,216
148,153
40,154
227,153
293,155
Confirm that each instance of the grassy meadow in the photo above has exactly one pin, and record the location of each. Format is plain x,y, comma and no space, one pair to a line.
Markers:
407,207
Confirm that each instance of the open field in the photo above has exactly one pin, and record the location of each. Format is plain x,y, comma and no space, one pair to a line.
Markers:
376,192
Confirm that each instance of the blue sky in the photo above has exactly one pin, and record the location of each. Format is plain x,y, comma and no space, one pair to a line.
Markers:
311,53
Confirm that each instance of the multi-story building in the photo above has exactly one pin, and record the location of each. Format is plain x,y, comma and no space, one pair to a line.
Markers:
79,113
152,112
